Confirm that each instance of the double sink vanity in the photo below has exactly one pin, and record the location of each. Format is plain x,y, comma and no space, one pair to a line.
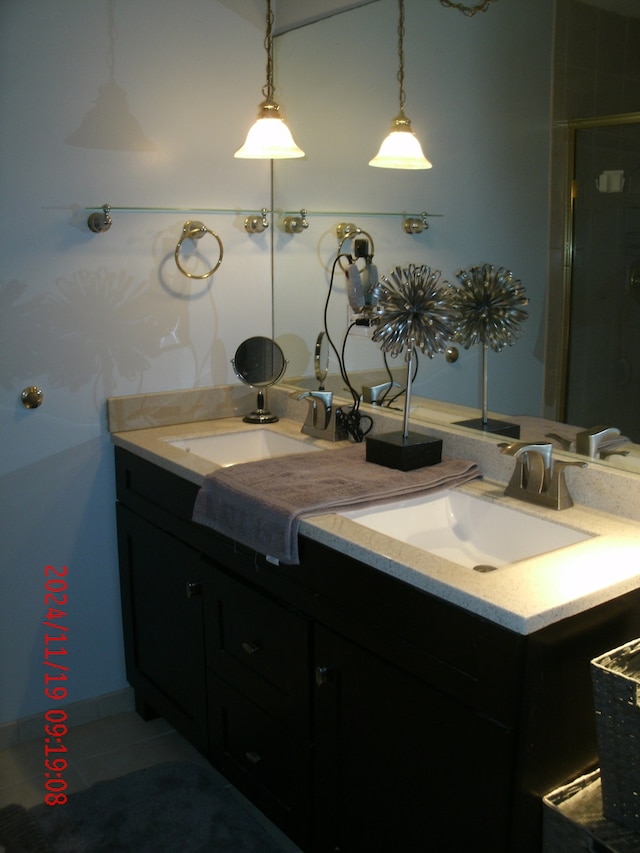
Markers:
420,680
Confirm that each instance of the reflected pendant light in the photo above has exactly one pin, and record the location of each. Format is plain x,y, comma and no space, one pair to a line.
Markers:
269,138
401,149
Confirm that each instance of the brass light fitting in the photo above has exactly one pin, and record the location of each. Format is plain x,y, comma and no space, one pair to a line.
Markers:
269,138
401,148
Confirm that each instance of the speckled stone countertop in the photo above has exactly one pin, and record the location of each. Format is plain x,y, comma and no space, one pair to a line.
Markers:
523,596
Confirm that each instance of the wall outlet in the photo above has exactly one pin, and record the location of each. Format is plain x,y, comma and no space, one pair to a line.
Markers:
364,326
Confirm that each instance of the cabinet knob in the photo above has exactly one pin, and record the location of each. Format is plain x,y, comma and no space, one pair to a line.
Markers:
193,588
251,648
323,675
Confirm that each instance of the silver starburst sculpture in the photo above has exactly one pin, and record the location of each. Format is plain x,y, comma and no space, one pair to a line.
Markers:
414,310
490,307
489,304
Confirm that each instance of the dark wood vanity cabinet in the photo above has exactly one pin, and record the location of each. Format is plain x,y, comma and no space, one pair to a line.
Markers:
355,711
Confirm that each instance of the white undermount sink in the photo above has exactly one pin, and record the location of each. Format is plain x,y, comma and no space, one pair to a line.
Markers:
466,529
247,446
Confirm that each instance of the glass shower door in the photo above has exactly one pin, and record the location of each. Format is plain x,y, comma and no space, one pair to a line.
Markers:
603,369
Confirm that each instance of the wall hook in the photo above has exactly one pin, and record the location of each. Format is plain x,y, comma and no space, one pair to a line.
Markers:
415,224
100,222
296,224
346,229
257,224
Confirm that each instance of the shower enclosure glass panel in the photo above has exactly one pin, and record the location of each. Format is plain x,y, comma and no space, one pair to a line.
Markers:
603,371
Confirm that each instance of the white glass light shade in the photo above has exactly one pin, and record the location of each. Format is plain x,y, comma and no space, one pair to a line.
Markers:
269,138
401,148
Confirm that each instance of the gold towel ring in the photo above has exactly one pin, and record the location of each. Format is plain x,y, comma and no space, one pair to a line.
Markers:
350,236
194,231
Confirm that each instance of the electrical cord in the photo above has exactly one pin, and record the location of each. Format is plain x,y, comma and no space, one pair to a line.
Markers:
381,402
351,419
402,391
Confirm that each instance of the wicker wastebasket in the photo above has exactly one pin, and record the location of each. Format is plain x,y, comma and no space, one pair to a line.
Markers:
573,821
616,697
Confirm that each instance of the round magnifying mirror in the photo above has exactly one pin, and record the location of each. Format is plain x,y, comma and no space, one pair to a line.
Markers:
321,359
259,362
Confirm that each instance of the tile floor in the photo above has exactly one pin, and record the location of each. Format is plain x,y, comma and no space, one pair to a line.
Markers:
102,750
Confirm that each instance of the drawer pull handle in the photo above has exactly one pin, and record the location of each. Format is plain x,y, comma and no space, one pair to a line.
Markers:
193,589
323,675
251,648
253,757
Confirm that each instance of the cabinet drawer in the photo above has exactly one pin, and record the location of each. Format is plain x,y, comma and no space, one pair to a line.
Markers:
259,646
144,486
267,762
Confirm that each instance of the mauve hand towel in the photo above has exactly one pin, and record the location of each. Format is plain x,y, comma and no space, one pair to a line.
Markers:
260,504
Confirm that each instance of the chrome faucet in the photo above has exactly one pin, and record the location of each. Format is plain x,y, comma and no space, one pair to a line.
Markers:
589,442
323,420
537,477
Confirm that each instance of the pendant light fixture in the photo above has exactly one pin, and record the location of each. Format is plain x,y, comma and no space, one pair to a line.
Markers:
401,149
269,138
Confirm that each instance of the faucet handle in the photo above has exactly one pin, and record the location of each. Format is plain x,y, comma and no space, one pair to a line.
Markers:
558,490
564,442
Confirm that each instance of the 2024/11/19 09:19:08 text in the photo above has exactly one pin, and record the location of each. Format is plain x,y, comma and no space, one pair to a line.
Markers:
55,678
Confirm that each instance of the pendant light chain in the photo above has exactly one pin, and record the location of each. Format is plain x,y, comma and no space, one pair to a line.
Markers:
268,90
469,11
401,54
269,138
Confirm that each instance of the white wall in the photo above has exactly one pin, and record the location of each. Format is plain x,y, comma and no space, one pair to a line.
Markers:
478,96
86,316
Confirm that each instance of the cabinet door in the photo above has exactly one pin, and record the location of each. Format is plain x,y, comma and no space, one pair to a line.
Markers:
161,583
399,765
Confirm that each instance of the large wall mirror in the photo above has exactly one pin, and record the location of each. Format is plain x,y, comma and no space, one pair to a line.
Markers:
603,275
479,95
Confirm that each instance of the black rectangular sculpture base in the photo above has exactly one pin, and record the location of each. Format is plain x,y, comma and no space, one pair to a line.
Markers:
393,450
496,427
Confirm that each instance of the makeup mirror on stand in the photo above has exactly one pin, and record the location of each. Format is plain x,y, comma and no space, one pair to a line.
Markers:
259,362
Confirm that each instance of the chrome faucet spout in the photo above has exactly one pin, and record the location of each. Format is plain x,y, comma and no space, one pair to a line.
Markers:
589,442
517,448
323,420
535,461
535,477
319,412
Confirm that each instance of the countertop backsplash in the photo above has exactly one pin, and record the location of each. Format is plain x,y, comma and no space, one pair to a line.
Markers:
613,491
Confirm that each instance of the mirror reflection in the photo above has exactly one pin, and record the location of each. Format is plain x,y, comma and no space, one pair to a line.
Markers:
603,380
484,108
